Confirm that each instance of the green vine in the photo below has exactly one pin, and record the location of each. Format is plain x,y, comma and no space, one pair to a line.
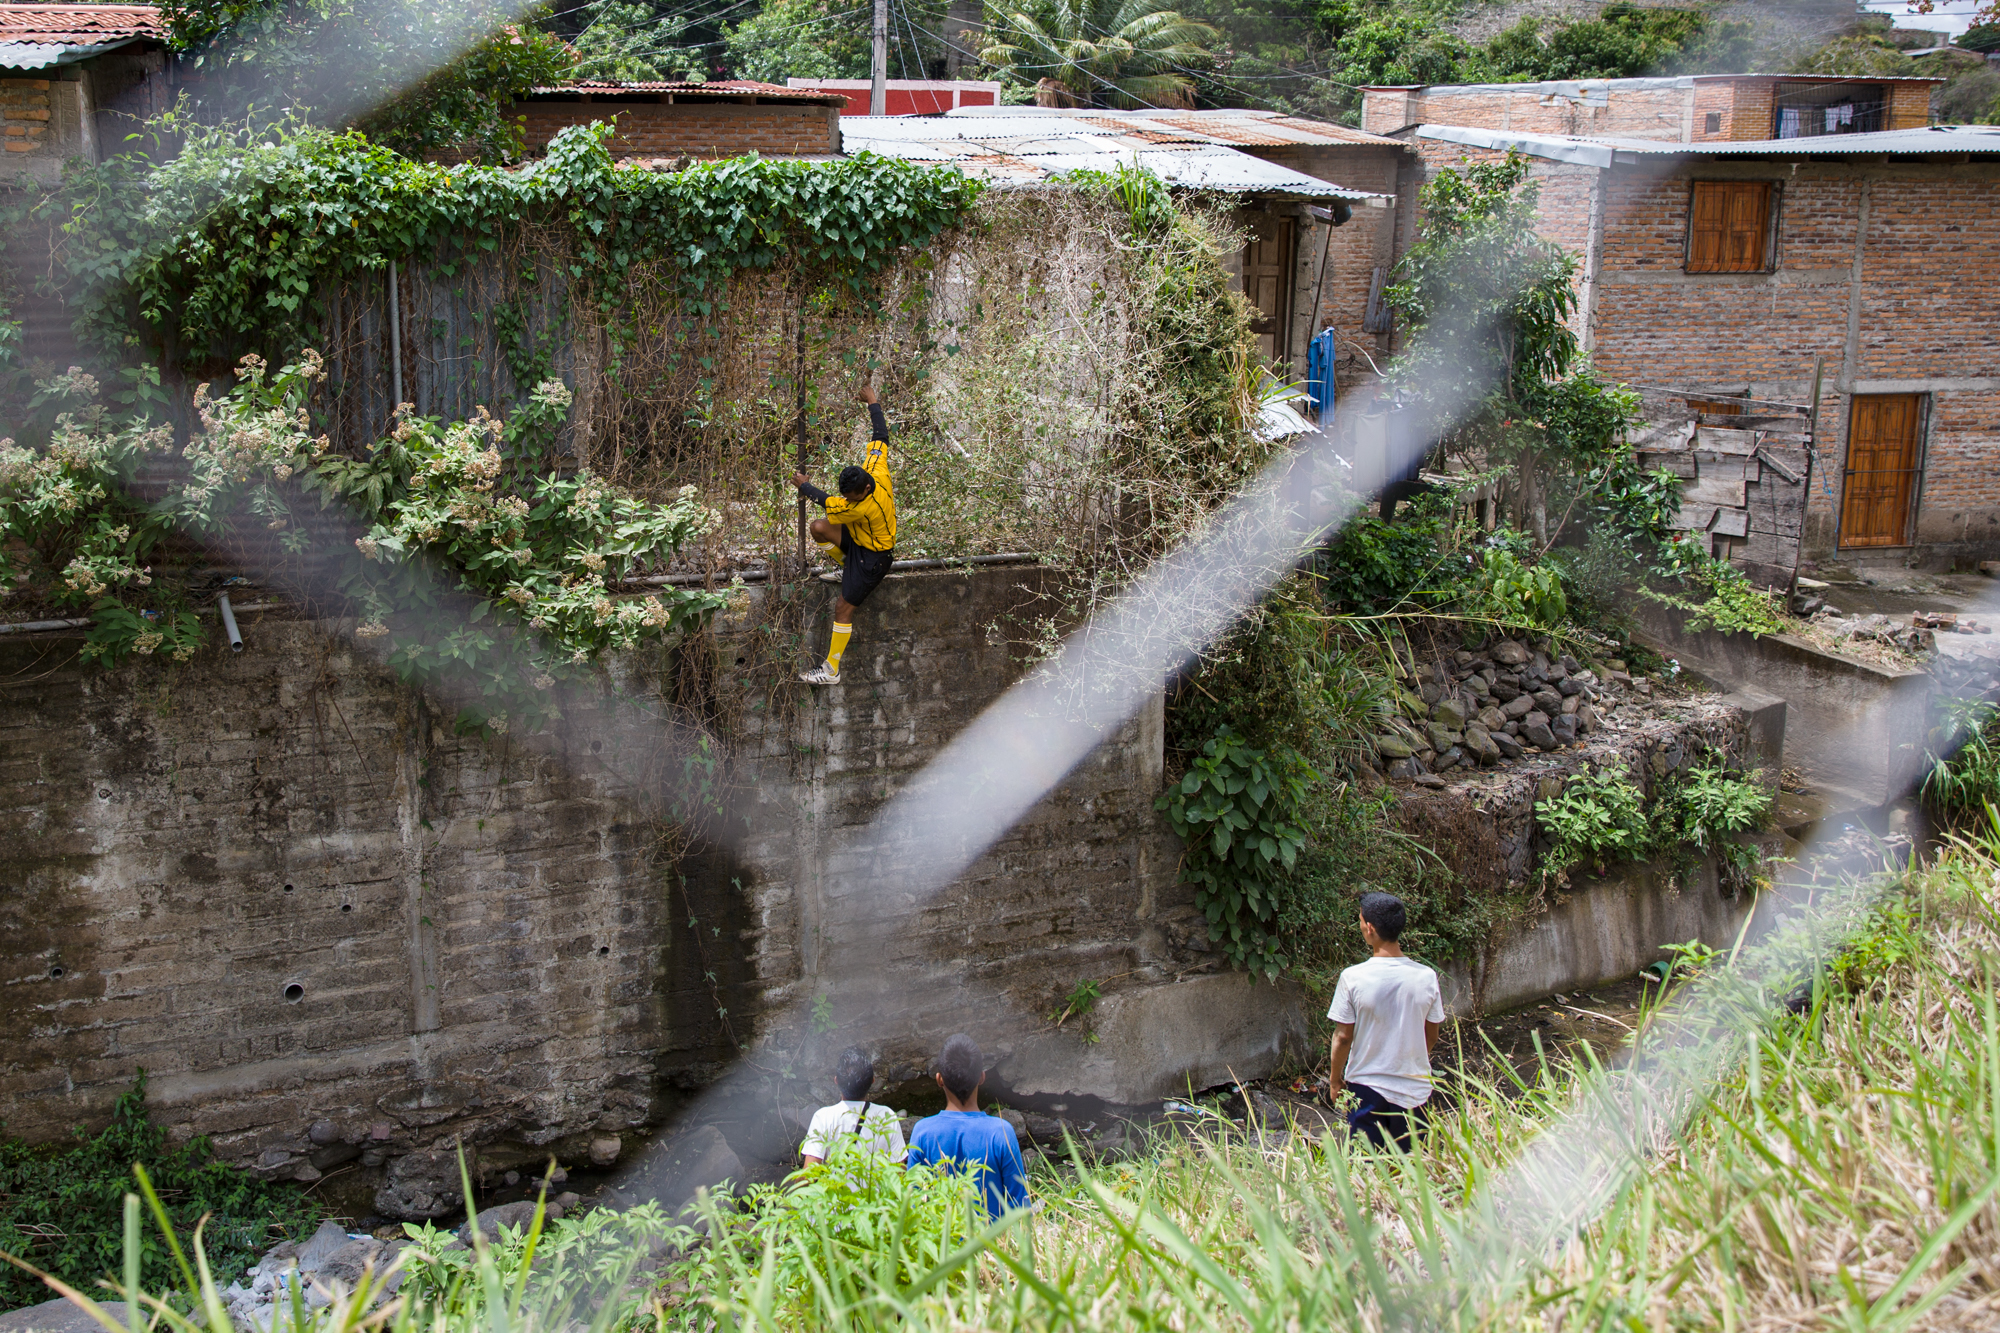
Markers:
235,243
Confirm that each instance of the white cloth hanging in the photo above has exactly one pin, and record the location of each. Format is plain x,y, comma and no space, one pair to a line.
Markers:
1788,123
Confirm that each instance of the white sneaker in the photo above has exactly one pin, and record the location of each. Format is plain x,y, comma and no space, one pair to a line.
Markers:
821,676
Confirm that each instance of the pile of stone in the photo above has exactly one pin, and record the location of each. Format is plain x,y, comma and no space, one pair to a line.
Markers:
1493,705
329,1264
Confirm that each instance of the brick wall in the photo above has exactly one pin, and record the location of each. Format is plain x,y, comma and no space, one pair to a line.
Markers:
1905,320
24,116
692,129
1909,105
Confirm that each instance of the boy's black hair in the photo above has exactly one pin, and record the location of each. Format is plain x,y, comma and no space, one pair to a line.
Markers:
855,1073
855,482
1384,912
961,1065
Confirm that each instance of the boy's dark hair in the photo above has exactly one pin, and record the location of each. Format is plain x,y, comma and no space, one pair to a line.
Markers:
855,482
961,1065
1384,912
855,1073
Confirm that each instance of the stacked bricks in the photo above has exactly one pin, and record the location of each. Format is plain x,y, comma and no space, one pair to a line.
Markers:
709,129
24,115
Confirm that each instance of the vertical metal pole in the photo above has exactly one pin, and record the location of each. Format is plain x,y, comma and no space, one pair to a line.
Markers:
878,69
395,341
799,378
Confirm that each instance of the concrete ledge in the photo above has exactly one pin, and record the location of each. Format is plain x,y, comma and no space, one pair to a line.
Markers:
1161,1040
1856,729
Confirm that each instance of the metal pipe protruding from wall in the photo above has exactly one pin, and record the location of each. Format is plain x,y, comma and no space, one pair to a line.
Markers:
395,341
229,623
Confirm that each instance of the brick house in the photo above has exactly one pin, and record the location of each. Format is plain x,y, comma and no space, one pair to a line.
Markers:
1699,108
73,80
1315,200
696,120
1734,228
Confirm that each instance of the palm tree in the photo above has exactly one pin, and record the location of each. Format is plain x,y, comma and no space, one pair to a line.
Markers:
1084,52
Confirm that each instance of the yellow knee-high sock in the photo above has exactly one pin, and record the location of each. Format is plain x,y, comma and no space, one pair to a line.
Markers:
833,553
838,646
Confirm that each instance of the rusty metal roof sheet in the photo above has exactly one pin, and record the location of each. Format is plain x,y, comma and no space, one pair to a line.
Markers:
1015,149
39,36
744,89
78,25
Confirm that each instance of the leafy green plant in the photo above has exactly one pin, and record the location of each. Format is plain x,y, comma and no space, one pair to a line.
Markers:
1517,593
1704,808
1734,604
1964,782
1122,53
1237,809
60,1207
865,1223
1083,998
1598,817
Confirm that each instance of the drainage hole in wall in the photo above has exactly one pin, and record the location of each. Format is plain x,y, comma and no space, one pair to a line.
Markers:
104,793
604,952
347,907
56,972
595,746
294,993
288,888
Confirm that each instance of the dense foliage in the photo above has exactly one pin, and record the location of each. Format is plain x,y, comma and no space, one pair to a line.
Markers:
1963,781
60,1206
457,519
416,77
1236,809
1601,818
233,245
1120,53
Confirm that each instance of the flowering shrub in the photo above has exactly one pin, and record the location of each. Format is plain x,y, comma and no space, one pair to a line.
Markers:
470,567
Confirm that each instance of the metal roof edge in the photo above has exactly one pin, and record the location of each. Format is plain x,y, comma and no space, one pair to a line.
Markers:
1535,145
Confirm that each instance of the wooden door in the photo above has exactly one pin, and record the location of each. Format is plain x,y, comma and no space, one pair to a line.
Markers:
1884,435
1267,281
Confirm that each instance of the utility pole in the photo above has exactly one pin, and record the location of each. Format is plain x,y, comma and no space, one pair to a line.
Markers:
878,69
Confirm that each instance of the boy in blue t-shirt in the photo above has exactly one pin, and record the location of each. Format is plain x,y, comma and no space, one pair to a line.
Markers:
963,1134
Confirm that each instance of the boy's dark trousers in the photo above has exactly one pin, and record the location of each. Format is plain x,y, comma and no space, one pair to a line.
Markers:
1381,1119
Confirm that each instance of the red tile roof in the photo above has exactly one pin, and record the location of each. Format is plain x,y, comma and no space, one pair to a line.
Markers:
78,25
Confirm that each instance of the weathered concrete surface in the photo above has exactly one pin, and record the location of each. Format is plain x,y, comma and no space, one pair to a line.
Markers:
1164,1042
1856,731
336,935
59,1316
1603,930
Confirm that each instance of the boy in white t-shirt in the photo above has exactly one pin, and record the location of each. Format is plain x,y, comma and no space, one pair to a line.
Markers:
854,1123
1386,1014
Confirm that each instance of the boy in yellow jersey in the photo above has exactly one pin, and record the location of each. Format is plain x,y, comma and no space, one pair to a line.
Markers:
860,526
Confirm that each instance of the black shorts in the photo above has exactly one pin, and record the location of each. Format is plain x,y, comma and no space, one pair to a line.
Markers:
861,569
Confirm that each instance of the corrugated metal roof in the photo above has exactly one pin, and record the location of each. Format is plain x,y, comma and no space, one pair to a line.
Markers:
1197,150
1602,152
1019,150
743,88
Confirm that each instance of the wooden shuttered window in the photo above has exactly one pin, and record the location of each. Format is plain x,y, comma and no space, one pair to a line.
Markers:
1729,227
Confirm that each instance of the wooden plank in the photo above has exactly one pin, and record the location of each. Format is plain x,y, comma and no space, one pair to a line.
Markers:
1788,423
1693,517
1730,523
1791,471
1752,471
1719,467
1725,441
1766,549
1680,464
1713,491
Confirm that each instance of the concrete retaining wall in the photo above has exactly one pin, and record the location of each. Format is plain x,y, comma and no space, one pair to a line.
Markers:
336,935
1857,731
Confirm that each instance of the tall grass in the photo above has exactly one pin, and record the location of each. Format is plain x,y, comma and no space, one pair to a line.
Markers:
1839,1170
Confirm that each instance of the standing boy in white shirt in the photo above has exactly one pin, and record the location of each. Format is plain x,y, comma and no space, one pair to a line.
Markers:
853,1123
1386,1013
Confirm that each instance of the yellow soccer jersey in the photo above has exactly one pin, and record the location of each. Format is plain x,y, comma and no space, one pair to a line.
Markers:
872,519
